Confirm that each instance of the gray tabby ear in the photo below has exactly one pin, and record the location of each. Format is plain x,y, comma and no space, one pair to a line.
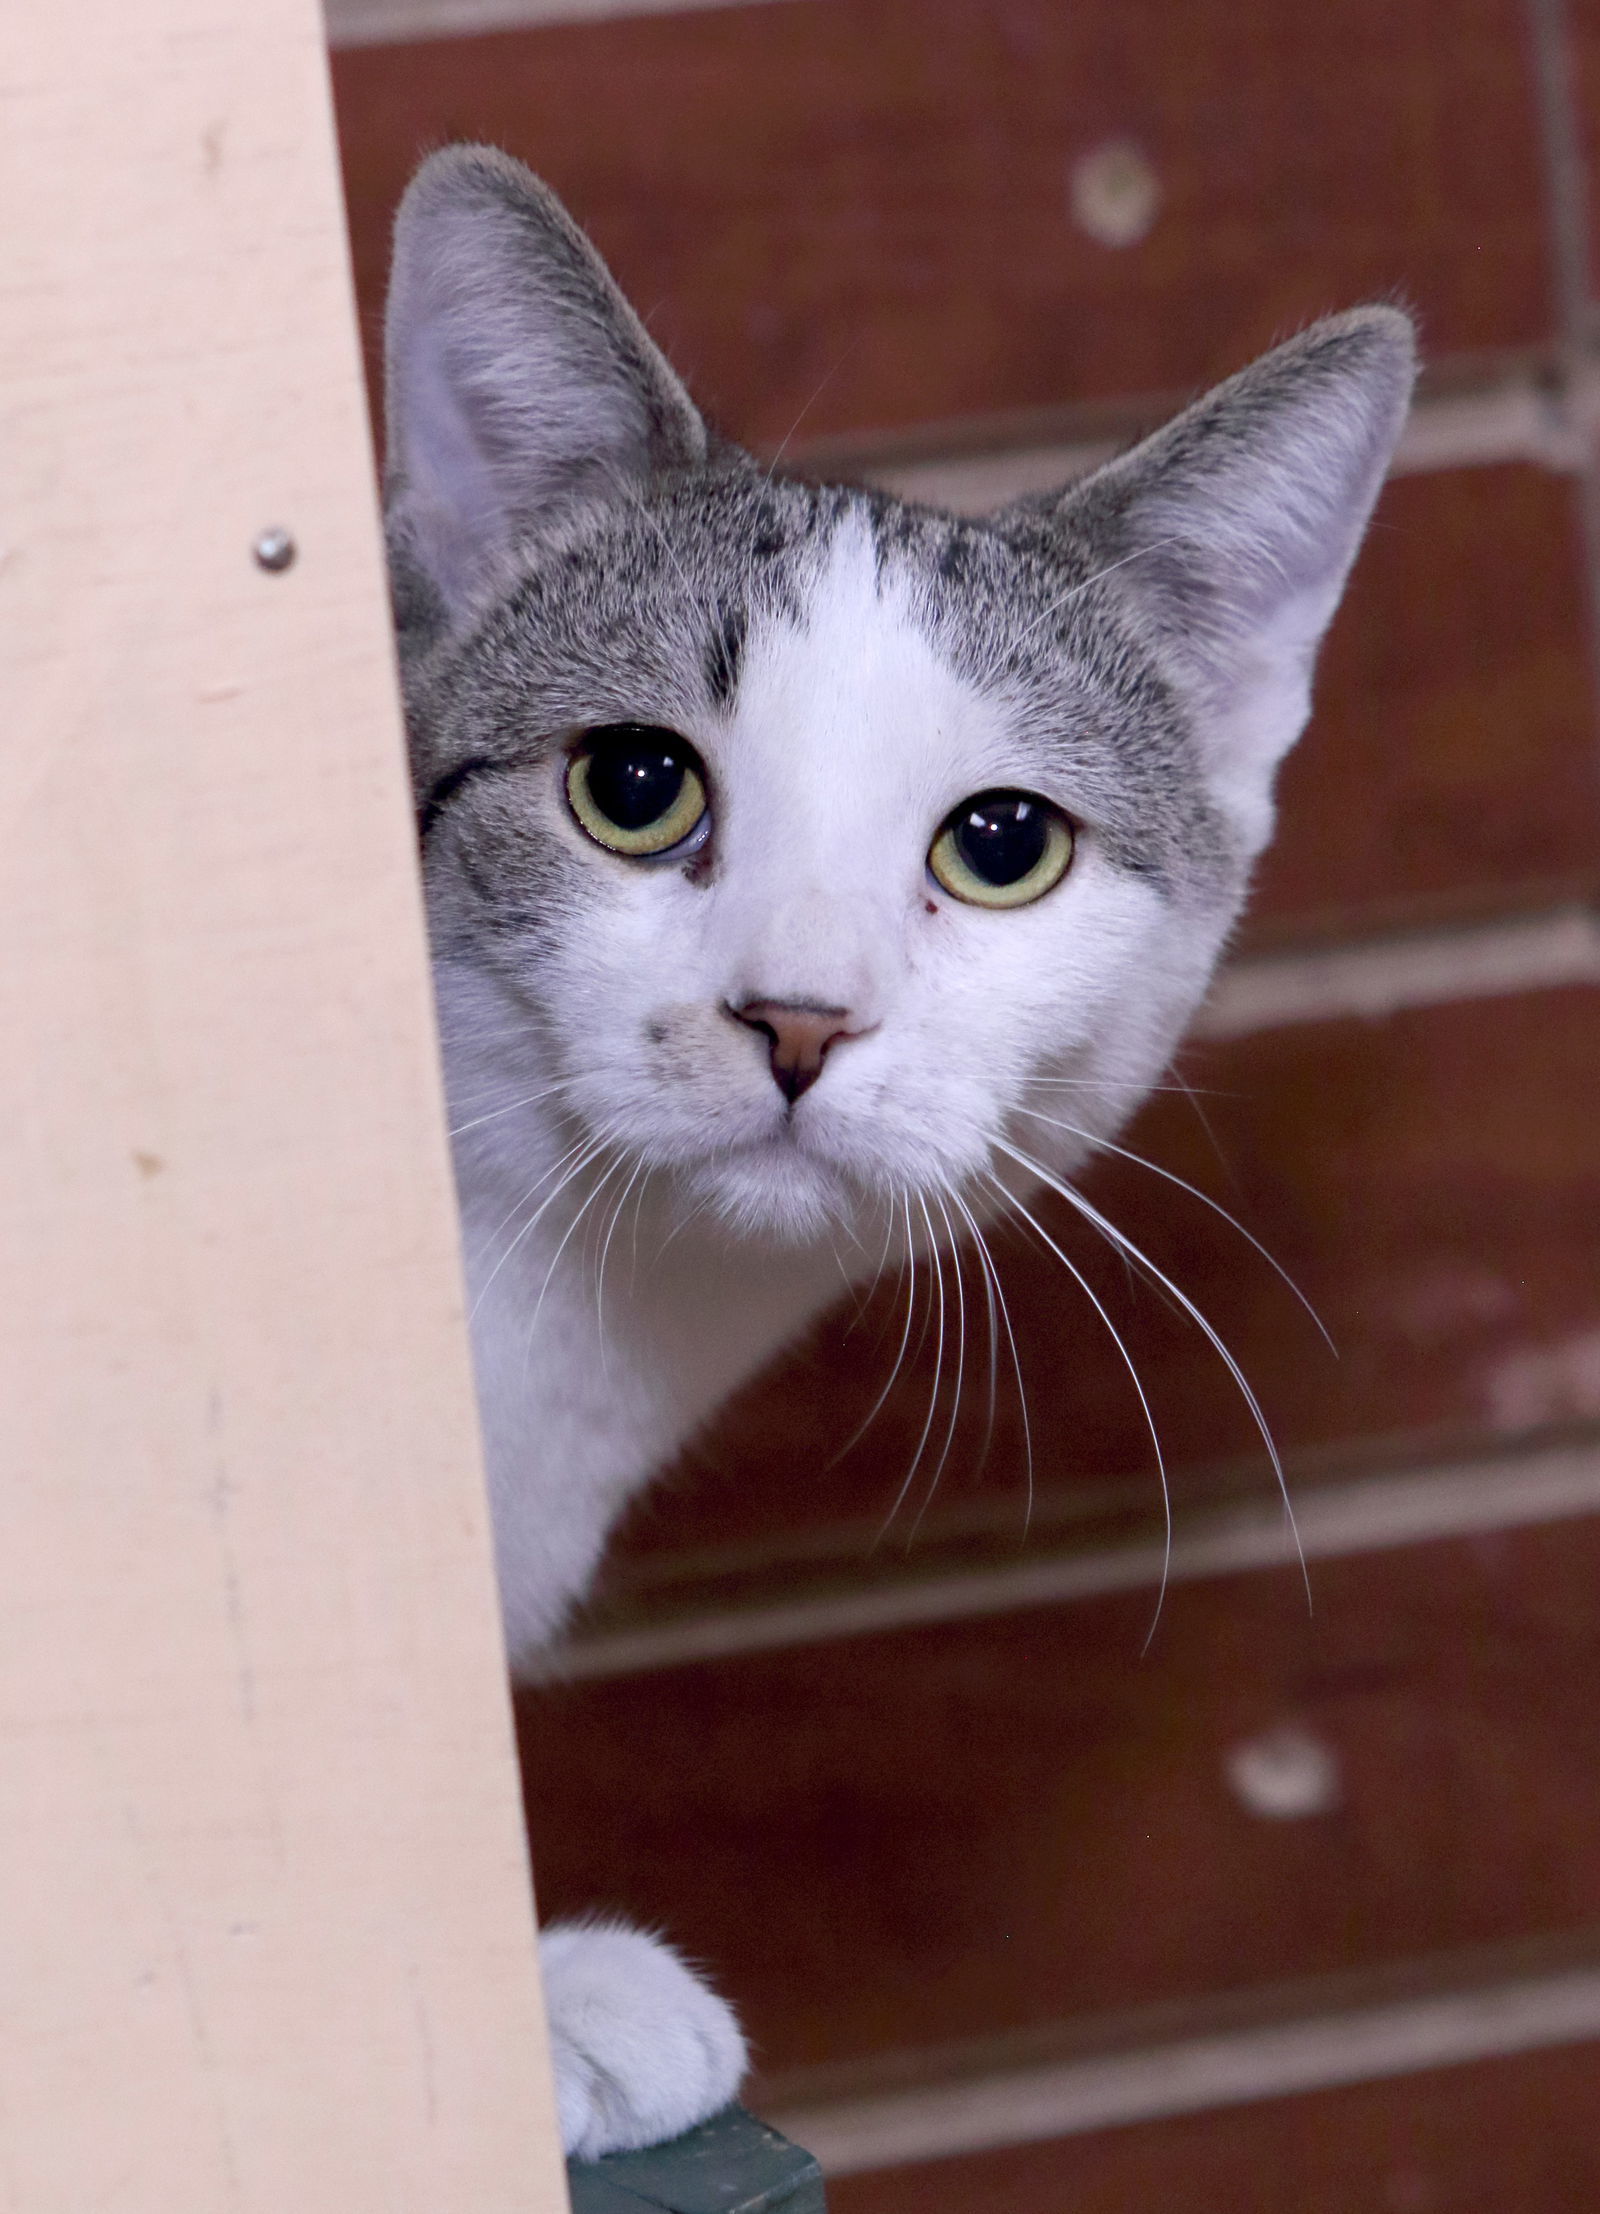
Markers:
520,385
1234,529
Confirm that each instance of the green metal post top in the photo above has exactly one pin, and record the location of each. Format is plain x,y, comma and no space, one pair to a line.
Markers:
732,2164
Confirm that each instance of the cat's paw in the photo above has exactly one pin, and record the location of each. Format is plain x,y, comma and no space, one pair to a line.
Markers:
642,2049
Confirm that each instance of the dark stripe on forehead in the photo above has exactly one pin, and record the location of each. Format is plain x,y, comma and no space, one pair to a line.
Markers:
724,654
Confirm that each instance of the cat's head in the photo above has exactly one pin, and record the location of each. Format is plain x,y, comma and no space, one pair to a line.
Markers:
797,835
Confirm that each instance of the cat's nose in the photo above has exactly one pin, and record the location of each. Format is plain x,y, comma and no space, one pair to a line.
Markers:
799,1033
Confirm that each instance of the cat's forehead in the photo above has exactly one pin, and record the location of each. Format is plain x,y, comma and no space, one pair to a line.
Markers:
729,583
913,658
843,696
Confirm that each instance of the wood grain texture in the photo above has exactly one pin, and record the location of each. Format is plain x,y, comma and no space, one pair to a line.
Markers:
265,1937
977,1831
1521,2133
855,214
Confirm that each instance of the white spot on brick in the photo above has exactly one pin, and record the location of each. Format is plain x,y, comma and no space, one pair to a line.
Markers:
1545,1383
1438,1304
1114,193
1284,1775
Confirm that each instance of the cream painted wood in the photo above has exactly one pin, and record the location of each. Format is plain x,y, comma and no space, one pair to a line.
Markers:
265,1929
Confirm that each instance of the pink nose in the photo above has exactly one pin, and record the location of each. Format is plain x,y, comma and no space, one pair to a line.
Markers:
799,1033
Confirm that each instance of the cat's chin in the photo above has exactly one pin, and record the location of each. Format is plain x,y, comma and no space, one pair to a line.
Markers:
767,1194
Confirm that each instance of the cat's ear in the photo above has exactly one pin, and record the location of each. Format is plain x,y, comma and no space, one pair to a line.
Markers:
1234,529
520,383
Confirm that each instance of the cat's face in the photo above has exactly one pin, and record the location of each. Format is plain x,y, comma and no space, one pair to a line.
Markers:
834,702
800,840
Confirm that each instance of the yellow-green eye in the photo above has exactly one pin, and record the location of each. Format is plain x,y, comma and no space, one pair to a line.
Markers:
1002,849
637,790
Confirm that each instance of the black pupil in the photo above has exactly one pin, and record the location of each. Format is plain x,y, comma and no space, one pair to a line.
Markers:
1001,839
635,776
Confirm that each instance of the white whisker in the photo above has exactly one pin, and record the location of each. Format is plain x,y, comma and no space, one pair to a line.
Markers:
1022,1390
684,1222
938,1377
606,1175
600,1272
783,443
862,1427
1089,1292
1194,1096
1076,591
1104,1145
529,1099
965,1212
1122,1243
961,1365
858,1296
630,492
996,1295
589,1150
890,1223
1097,1084
638,1212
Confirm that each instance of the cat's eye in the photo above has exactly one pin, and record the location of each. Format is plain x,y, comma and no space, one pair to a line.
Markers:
637,790
1002,849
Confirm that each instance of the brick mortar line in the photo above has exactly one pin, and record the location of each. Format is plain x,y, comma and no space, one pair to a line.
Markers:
1276,2059
400,22
1363,980
1519,1489
1566,178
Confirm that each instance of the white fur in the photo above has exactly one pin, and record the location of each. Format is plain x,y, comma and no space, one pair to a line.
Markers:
642,2050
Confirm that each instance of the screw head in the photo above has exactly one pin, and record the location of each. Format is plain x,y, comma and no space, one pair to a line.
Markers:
274,550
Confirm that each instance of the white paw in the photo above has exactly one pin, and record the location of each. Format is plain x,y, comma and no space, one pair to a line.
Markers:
642,2049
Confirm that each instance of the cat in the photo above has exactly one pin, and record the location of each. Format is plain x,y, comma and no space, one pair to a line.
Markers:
790,855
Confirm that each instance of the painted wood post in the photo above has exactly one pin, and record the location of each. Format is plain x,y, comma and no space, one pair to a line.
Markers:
265,1929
